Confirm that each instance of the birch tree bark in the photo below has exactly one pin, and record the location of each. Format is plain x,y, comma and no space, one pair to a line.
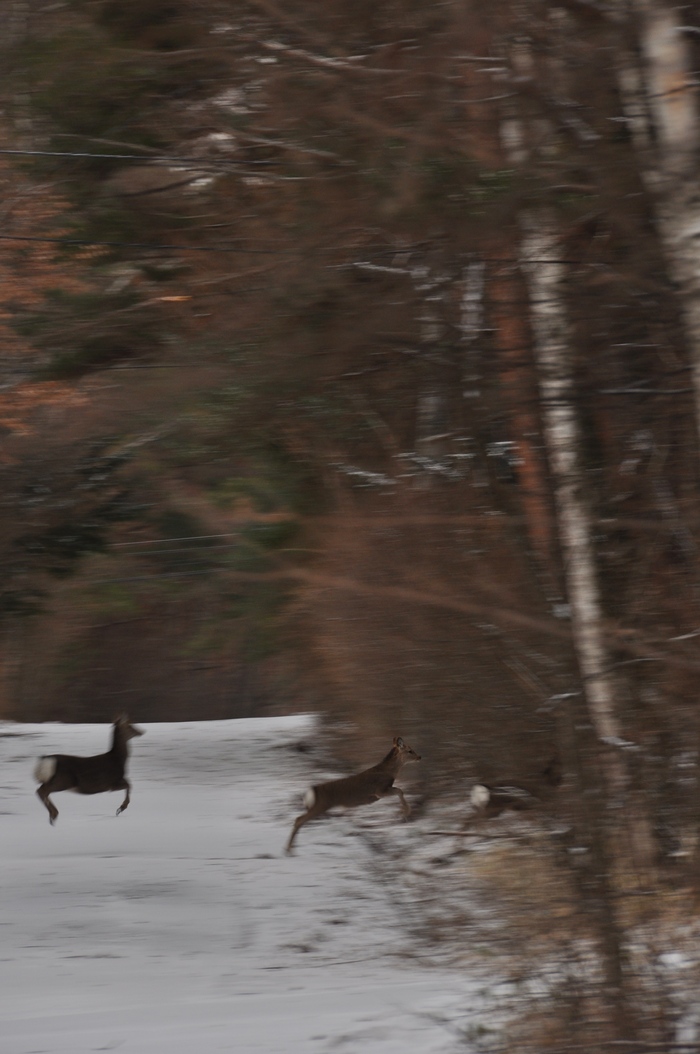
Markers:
540,252
431,407
552,348
666,91
545,275
669,156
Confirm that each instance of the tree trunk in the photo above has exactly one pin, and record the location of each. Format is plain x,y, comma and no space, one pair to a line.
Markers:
665,89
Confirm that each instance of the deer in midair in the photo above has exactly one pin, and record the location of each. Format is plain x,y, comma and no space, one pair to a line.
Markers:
93,775
363,788
490,800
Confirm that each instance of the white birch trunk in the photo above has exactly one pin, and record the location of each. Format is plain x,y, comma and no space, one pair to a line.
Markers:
545,276
670,166
472,325
671,171
671,86
431,410
540,252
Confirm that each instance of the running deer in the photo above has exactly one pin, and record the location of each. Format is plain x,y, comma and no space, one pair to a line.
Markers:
490,800
102,772
361,789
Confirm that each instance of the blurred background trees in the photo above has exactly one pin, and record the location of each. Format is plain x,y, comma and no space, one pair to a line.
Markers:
351,363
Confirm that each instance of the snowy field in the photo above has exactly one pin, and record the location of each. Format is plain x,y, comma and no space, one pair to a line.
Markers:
181,926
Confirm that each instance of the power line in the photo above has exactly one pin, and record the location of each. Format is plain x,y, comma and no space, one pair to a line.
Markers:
190,549
190,538
145,578
145,245
150,159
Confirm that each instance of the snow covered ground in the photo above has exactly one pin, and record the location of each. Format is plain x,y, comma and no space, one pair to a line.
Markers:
181,927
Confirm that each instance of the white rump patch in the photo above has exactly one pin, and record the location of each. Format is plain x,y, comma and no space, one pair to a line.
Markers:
44,769
480,796
310,798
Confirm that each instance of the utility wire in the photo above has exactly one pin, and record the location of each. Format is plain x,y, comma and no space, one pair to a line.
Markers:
149,159
145,578
190,549
190,538
144,245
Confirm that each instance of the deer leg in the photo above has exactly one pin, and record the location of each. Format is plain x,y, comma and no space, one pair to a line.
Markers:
43,794
405,807
475,821
124,785
469,826
310,814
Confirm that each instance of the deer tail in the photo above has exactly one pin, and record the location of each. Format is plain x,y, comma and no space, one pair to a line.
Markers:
44,769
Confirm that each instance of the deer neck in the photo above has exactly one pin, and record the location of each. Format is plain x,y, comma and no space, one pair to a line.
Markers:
392,762
120,745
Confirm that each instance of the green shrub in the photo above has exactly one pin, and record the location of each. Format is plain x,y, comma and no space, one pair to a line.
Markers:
89,87
83,331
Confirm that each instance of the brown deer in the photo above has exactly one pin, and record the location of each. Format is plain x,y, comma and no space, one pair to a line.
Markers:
490,800
102,772
361,789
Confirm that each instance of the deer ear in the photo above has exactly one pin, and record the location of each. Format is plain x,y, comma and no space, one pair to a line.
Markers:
398,742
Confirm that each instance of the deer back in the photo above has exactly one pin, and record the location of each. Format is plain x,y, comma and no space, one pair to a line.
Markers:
366,786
